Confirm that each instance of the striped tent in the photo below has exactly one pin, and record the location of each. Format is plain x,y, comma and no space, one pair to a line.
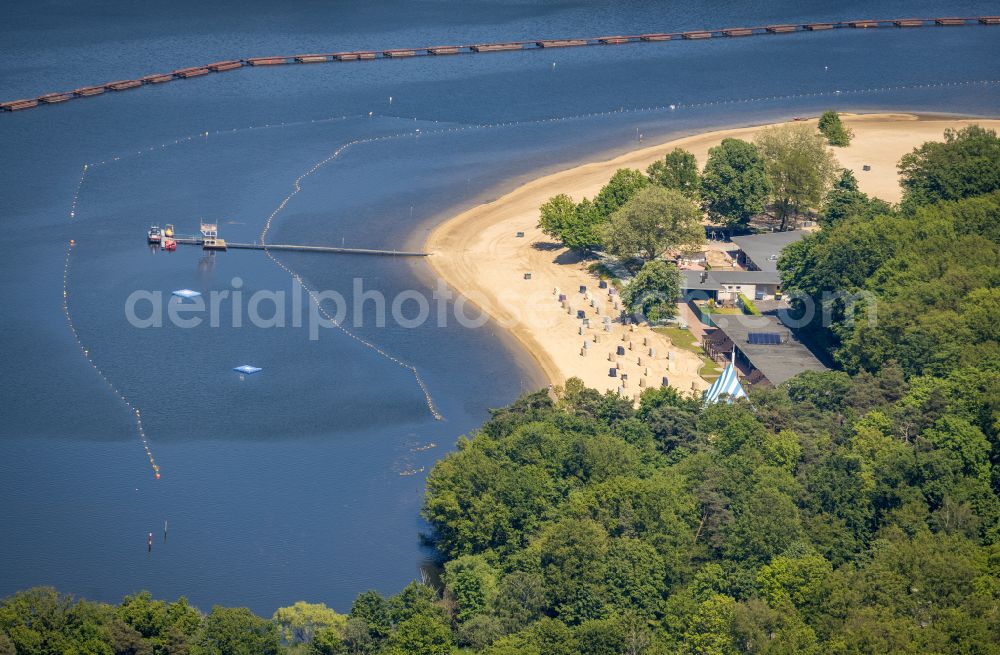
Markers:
728,384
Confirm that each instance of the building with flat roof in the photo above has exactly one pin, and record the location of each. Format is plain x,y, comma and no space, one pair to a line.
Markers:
725,285
759,252
767,351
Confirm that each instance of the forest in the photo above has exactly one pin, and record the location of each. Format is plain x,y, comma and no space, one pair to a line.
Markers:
845,512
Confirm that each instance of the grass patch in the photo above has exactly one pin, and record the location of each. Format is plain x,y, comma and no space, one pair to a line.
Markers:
604,273
685,339
748,305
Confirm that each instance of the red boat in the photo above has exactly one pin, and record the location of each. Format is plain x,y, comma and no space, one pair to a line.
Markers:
168,244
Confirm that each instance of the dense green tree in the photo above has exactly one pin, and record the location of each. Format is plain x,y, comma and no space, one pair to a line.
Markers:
654,291
472,582
637,577
836,133
421,635
800,169
845,201
734,185
238,631
415,599
480,631
520,600
299,623
622,187
912,274
572,555
677,170
965,164
575,226
373,609
600,636
556,215
654,221
710,630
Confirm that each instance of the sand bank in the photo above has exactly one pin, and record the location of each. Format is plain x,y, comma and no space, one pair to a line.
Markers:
480,255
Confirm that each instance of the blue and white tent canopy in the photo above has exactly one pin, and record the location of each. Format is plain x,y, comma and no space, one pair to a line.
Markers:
728,384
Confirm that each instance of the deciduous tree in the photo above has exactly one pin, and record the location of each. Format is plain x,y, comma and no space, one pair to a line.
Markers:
655,221
678,170
734,186
799,166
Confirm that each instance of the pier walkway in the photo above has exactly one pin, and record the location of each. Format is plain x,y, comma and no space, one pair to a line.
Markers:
508,46
226,245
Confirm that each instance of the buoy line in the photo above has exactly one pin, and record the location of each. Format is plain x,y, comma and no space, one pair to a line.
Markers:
622,110
133,409
296,187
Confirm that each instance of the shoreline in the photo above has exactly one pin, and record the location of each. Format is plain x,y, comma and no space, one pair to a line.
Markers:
477,253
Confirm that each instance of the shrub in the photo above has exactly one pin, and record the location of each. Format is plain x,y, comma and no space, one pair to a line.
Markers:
834,130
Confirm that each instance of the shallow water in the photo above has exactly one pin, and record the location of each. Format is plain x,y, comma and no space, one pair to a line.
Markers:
286,485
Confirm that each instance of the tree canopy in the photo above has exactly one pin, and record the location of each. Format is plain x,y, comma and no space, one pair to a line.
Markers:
654,291
622,187
800,168
734,185
651,223
965,164
845,200
677,170
836,133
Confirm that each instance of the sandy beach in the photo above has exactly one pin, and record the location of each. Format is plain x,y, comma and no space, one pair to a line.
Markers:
479,254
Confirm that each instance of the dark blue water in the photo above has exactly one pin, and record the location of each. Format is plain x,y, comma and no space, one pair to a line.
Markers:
286,485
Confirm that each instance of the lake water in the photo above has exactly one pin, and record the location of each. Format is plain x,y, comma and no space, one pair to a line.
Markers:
287,485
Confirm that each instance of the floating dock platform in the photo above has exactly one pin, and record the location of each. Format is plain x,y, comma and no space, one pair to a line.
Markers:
157,78
122,85
53,98
196,71
496,47
227,65
17,105
561,43
267,61
86,91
